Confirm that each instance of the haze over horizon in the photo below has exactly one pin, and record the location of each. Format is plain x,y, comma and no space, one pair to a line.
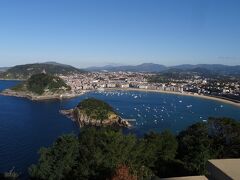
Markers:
97,33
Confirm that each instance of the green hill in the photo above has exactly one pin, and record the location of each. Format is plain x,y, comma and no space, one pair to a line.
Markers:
42,83
95,112
96,109
25,71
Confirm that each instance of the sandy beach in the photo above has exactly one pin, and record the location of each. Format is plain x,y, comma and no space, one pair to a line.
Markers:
8,92
178,93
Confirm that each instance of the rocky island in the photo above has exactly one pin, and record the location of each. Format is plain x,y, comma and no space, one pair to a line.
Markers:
95,112
39,87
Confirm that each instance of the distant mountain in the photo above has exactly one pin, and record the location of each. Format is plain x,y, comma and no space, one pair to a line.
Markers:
145,67
213,68
150,67
102,68
25,71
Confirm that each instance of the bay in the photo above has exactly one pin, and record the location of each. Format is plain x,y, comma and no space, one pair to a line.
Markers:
26,125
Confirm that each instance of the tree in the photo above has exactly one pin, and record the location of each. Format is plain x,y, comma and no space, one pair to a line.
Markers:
38,83
102,149
160,153
195,148
58,161
225,133
100,153
218,138
95,154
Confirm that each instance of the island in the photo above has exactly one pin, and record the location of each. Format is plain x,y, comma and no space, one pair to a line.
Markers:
95,112
40,87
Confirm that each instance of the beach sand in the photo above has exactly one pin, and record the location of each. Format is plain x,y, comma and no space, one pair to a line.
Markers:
226,101
178,93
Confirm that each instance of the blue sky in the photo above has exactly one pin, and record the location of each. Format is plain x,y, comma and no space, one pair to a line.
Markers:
97,32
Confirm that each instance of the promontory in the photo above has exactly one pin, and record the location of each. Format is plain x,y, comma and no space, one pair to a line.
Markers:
39,87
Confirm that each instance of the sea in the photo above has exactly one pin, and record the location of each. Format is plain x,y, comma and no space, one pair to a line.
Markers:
26,126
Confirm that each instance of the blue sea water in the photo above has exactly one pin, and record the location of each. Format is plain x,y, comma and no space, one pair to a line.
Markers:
26,125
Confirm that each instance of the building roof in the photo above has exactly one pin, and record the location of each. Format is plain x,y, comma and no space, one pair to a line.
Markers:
230,167
186,178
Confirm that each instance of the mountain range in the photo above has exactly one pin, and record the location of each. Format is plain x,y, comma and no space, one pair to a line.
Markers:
26,70
151,67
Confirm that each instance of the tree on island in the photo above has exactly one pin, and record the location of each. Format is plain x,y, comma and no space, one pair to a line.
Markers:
40,83
96,109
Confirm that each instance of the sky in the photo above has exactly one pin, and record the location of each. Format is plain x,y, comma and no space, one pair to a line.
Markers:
86,33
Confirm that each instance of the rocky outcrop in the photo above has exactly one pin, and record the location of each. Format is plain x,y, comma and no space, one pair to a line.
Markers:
82,119
35,97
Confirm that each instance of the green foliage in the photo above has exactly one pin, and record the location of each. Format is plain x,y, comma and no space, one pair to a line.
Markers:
218,138
170,76
161,152
225,133
103,149
195,148
164,145
97,152
58,161
38,83
158,79
95,109
19,87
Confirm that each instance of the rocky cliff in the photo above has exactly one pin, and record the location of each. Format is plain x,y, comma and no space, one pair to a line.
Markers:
98,113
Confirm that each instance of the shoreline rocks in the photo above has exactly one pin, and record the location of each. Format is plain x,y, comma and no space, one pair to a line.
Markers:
84,120
34,97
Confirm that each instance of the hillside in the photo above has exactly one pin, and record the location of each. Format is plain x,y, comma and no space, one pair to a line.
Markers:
40,87
96,109
92,111
25,71
41,84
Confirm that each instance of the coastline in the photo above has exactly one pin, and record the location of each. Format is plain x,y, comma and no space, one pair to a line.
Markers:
12,79
84,119
8,92
226,101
